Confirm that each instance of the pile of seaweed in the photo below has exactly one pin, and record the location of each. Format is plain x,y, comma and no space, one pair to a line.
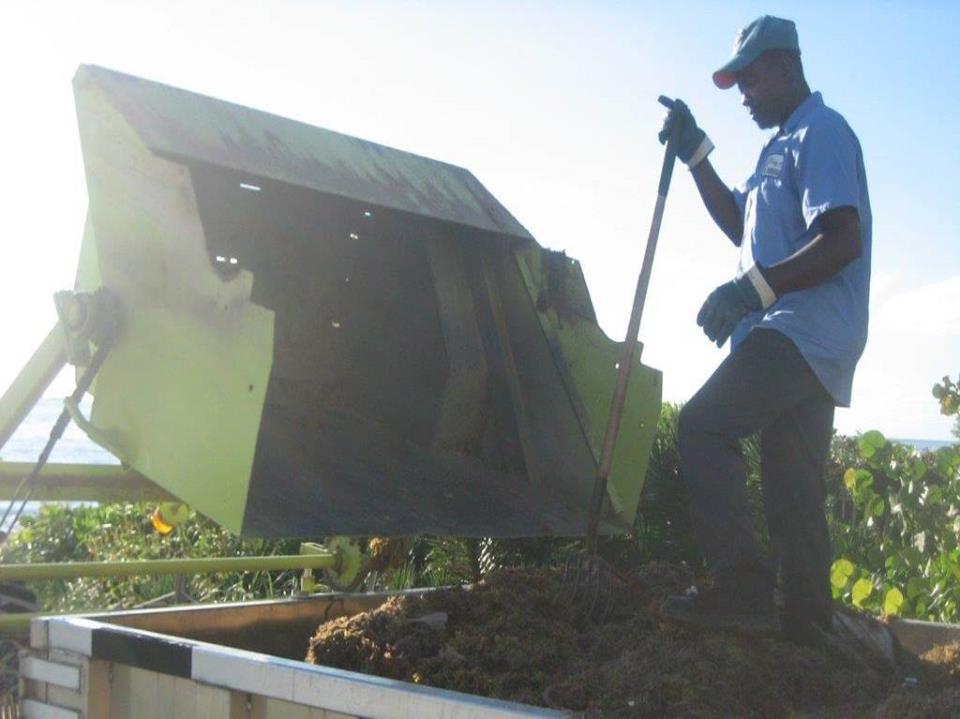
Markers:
522,635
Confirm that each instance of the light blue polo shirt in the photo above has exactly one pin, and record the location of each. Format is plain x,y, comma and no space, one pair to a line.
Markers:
813,164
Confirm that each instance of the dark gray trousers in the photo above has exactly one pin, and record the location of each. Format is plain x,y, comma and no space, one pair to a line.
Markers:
764,386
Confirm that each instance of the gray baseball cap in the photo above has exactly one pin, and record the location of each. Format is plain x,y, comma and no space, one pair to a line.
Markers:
764,33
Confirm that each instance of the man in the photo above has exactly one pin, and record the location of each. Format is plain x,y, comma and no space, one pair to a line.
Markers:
796,314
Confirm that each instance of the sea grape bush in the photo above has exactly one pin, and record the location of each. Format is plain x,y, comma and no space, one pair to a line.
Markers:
120,532
896,533
947,394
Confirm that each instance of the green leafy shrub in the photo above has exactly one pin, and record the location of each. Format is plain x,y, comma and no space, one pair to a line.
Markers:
117,532
947,394
897,529
663,529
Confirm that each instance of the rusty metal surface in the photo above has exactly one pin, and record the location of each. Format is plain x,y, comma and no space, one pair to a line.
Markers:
279,627
190,126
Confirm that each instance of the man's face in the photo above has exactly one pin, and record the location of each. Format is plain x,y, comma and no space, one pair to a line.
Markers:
763,86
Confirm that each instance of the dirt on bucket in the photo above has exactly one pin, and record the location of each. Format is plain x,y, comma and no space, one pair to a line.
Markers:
517,635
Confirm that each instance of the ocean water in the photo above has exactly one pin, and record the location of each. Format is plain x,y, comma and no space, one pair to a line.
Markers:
926,444
31,437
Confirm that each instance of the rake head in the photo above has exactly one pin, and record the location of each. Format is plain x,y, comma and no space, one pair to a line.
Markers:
594,586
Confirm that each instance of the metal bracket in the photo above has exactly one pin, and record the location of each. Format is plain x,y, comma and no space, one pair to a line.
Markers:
344,574
86,317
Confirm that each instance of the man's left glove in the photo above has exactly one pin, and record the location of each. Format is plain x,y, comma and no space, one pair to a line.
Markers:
727,304
693,145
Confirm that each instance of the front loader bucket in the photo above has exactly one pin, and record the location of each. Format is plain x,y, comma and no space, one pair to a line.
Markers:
325,336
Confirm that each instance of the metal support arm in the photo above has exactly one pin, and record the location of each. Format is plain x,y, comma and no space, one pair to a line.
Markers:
41,369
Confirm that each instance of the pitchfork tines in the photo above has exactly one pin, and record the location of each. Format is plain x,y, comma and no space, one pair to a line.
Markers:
595,587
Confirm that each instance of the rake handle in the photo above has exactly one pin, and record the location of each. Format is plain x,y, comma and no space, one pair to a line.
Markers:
629,345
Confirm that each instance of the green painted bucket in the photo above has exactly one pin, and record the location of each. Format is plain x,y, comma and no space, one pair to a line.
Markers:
322,335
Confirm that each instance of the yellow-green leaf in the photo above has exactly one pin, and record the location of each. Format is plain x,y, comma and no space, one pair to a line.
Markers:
892,601
844,566
875,438
839,579
862,589
850,478
870,442
840,572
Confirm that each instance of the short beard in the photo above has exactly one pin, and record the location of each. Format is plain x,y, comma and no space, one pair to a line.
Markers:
764,123
765,119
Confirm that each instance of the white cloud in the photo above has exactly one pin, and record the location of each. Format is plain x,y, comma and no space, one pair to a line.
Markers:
931,310
882,285
914,341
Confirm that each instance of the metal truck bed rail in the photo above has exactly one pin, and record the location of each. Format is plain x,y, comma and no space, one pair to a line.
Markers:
174,663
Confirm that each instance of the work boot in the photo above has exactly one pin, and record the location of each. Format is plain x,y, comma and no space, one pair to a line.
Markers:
744,606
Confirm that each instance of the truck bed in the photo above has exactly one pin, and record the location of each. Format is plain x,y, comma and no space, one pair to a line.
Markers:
240,661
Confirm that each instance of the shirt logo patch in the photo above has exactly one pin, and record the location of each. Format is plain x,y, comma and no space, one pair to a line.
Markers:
773,166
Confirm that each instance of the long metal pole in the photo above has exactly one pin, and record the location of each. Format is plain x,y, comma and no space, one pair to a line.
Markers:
28,386
81,483
71,570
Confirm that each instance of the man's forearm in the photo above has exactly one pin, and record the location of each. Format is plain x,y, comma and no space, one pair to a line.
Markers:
718,199
836,245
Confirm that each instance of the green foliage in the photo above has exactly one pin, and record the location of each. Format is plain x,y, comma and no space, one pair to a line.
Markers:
115,532
896,531
663,529
430,562
947,394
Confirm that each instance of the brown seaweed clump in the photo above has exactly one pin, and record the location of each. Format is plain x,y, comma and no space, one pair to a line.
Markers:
946,656
517,635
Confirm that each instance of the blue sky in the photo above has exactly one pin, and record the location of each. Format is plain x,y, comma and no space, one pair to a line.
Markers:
552,105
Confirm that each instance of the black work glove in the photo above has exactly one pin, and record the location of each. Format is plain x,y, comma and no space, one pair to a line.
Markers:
728,304
693,145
